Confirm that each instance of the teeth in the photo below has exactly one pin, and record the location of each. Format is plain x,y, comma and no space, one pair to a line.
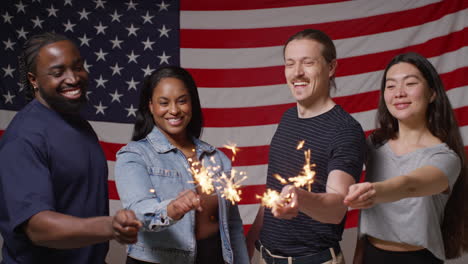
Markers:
300,83
72,92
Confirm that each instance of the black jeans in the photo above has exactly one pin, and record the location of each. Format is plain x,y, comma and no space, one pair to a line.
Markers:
376,255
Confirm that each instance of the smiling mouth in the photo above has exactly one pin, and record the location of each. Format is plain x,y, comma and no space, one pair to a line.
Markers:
174,121
300,84
73,93
401,106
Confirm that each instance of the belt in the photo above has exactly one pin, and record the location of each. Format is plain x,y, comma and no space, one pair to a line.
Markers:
317,258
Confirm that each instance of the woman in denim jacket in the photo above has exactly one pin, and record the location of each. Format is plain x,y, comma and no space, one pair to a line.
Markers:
180,224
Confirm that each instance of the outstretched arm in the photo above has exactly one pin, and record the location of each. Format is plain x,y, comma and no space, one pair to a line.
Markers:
424,181
56,230
324,207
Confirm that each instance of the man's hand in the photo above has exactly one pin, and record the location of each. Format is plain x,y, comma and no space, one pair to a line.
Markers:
288,205
125,227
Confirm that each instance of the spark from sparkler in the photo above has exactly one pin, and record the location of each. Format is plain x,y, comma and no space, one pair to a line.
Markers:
306,177
300,145
231,186
270,198
202,176
280,179
233,148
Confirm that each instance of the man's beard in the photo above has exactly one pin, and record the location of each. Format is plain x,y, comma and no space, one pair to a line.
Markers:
62,104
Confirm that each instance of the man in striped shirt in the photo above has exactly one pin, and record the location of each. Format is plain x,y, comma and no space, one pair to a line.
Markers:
306,226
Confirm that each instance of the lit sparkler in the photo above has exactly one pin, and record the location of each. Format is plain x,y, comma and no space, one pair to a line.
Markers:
270,198
202,177
231,187
306,177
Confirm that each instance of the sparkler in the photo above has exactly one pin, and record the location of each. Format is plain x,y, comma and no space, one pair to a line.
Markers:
270,198
233,148
231,186
202,177
306,177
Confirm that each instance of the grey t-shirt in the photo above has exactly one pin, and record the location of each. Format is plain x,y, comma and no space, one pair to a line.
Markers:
414,221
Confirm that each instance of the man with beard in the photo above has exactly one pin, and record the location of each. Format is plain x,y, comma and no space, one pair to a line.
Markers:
305,226
53,173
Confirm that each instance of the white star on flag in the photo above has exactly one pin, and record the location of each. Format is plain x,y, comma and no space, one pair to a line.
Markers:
148,44
37,22
132,30
101,55
7,18
68,26
101,82
163,31
115,96
131,111
100,108
84,14
87,66
52,11
9,44
147,70
163,6
132,57
84,40
147,18
20,7
9,98
100,3
100,28
8,71
116,43
132,84
115,16
164,58
116,69
131,5
22,33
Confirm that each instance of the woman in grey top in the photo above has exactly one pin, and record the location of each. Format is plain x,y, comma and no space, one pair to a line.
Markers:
416,172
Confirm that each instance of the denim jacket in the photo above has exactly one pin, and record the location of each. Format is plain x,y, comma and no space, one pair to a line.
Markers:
149,174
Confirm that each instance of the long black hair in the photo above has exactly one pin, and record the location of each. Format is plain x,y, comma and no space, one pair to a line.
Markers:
28,58
441,123
144,119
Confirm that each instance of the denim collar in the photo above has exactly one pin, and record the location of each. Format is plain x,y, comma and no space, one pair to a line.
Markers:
160,143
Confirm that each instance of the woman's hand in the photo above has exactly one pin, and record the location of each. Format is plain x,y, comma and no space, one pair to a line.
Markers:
361,195
185,201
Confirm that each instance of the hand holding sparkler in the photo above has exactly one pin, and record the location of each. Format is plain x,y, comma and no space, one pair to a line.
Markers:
184,202
361,195
287,206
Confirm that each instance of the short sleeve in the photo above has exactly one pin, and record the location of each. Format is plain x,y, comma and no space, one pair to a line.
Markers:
448,162
25,182
347,151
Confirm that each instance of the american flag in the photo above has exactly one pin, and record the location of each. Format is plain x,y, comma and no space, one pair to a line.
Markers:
234,51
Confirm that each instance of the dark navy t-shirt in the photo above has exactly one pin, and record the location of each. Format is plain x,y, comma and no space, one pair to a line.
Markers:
337,142
51,162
